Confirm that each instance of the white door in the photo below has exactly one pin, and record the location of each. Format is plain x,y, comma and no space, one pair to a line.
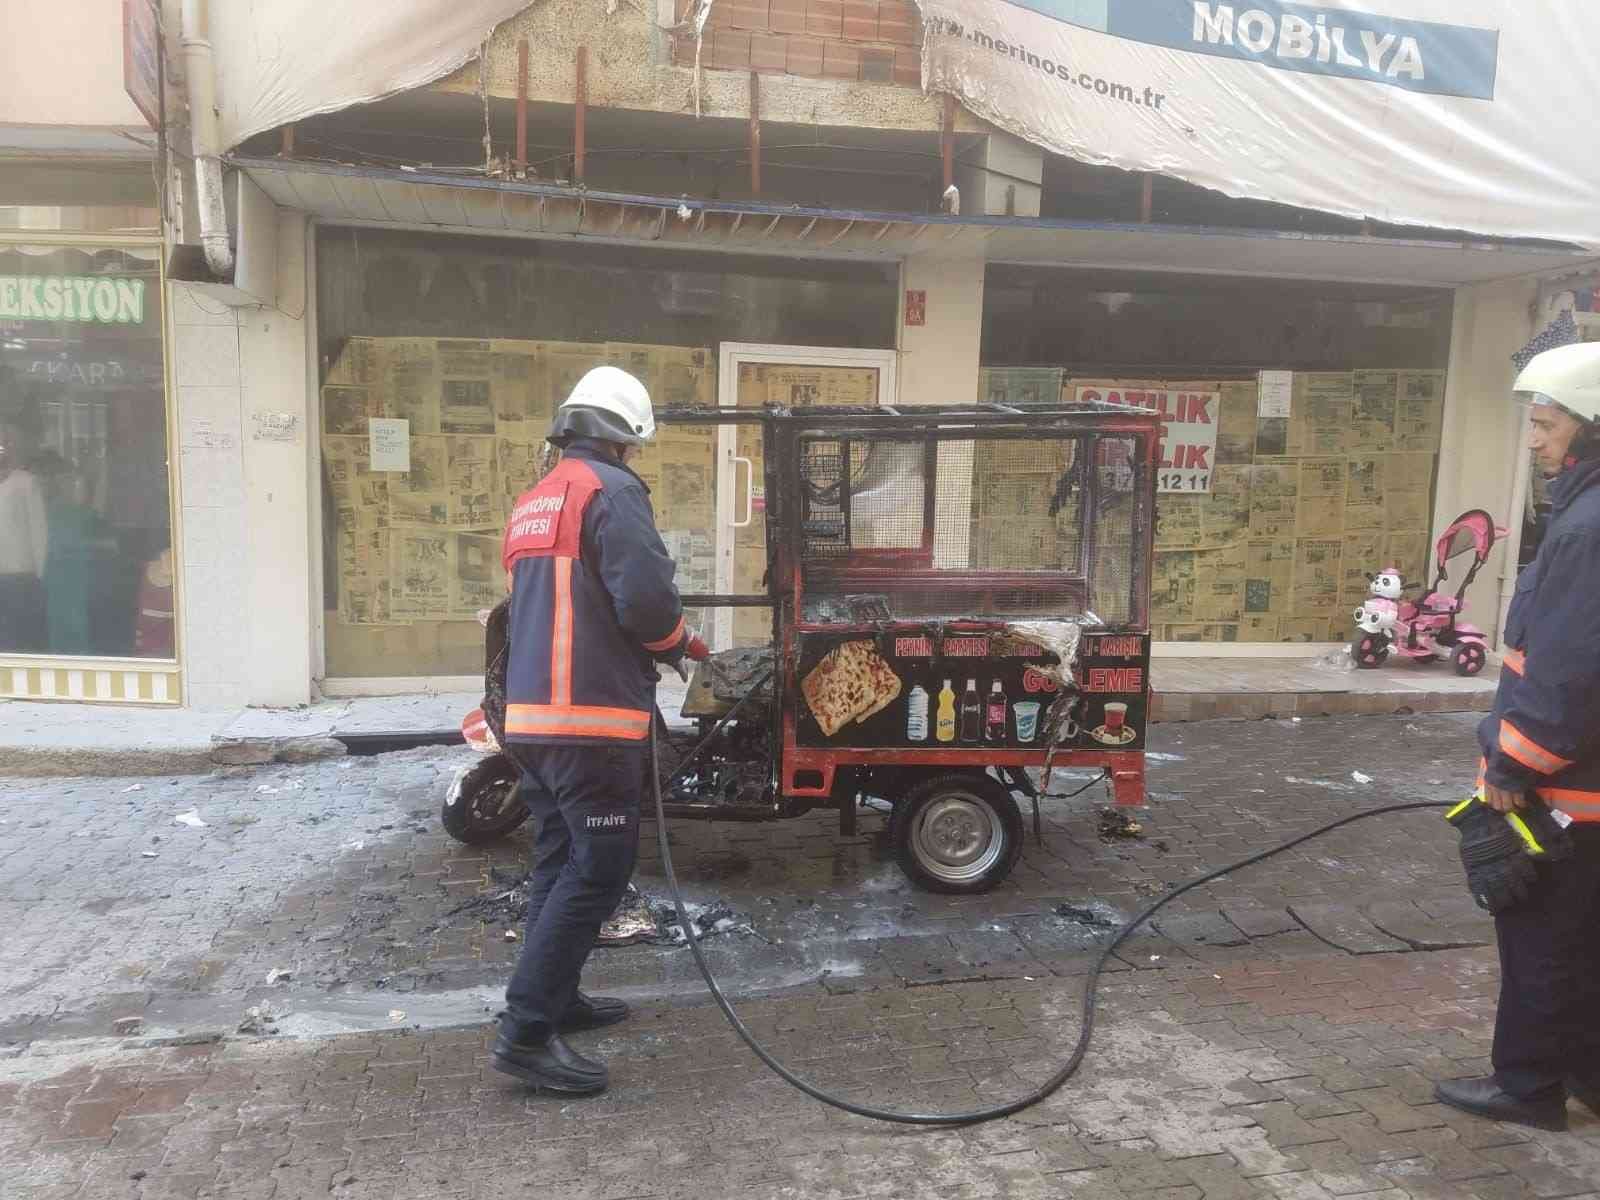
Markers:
751,376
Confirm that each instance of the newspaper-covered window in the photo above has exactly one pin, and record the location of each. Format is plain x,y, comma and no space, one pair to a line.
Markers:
1273,503
443,361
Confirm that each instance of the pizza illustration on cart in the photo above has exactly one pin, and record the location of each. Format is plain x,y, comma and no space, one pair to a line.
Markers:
851,683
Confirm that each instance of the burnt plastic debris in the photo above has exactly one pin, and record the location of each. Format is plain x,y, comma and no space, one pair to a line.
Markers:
1119,823
1084,916
736,673
637,918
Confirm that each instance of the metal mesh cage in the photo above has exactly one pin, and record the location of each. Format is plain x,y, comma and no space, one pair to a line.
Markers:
1115,531
939,526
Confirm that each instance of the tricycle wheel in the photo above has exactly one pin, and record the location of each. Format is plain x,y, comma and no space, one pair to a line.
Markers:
957,833
1469,658
1370,650
483,804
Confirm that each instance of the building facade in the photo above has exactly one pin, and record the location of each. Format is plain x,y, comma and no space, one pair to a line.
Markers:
766,209
88,590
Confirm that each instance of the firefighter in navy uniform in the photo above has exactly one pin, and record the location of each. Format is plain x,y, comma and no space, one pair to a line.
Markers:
593,610
1541,746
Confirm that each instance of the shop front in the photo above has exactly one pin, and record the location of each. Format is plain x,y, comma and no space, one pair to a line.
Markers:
1302,440
441,360
377,483
88,596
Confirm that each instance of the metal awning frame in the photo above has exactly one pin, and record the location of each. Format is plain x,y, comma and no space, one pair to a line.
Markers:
444,201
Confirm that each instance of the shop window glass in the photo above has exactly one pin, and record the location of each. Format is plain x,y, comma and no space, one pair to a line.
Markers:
102,219
472,343
85,520
1266,525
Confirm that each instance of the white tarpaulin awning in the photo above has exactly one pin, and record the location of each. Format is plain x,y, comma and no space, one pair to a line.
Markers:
291,59
1453,114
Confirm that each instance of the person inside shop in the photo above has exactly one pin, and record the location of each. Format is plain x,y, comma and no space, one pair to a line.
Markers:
77,539
1540,749
155,625
594,609
24,546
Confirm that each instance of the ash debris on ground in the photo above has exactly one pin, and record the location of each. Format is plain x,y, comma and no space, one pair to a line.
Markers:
1084,916
1117,823
260,1020
638,919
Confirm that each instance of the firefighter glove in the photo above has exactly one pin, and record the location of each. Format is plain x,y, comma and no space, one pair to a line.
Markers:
1543,836
1500,871
696,649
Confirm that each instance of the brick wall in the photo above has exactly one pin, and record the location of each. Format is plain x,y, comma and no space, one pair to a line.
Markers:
874,41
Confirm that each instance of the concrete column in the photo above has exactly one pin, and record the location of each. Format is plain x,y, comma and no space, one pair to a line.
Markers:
939,360
939,365
1478,451
212,550
245,432
280,435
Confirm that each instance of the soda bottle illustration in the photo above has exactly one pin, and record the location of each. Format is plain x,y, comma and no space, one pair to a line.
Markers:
944,727
971,713
994,714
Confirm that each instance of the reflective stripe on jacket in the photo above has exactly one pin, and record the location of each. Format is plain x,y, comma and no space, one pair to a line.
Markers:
593,604
1541,734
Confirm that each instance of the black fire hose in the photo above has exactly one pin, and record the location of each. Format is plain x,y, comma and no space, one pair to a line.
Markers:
1090,987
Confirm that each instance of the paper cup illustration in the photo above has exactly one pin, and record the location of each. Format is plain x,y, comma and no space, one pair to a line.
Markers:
1027,713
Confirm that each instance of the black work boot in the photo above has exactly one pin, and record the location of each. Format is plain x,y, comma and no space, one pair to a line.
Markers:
1484,1097
546,1063
591,1012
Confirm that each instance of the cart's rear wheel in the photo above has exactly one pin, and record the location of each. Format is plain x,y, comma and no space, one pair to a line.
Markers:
957,833
1469,658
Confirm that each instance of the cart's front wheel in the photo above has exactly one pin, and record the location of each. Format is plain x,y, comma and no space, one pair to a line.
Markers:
957,833
484,803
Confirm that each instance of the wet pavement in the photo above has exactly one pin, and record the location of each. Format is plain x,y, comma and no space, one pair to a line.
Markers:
334,881
1277,1034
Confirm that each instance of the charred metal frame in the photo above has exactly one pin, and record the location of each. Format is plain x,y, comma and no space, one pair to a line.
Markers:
808,776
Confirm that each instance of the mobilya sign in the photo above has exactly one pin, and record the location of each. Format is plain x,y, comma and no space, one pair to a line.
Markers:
1422,56
1454,114
107,300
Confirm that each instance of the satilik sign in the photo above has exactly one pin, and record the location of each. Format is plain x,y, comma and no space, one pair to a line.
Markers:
1188,450
93,299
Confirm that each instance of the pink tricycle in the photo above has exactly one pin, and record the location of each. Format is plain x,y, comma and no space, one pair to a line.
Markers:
1427,629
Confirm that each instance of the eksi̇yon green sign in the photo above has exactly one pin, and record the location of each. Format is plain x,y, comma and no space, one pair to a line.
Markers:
104,299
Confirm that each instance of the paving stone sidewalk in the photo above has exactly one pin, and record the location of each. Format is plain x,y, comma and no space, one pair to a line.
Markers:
1302,1074
339,874
1276,1034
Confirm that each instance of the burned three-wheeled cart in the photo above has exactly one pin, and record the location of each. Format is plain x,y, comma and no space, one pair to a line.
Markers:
958,604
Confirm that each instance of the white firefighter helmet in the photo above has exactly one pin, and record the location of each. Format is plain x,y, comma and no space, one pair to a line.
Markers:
608,404
1567,377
